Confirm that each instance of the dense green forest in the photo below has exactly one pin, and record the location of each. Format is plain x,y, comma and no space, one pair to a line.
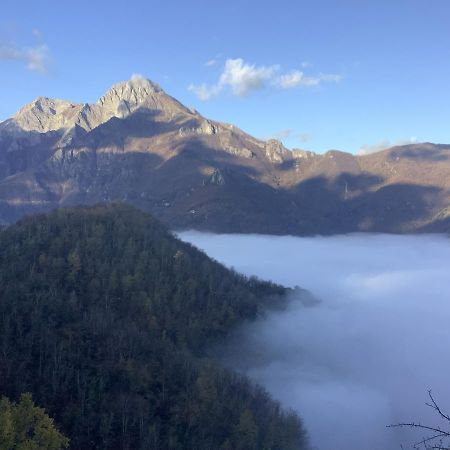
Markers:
25,426
104,318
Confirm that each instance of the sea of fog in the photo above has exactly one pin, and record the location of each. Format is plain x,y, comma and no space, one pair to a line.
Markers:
365,355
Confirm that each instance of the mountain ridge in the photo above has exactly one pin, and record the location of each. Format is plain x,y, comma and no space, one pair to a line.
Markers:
140,145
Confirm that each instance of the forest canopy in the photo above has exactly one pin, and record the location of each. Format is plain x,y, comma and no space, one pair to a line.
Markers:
105,317
25,426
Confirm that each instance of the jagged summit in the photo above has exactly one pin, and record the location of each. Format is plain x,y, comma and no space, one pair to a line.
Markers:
122,99
134,91
126,97
45,114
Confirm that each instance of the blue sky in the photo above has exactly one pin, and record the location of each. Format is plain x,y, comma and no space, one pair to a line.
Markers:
319,75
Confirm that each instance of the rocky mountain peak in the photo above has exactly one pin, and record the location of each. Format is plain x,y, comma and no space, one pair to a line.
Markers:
43,114
122,99
132,92
126,97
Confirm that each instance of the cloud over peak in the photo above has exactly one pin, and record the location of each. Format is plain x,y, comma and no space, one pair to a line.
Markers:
242,78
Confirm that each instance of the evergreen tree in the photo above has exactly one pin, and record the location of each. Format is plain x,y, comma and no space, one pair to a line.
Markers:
25,426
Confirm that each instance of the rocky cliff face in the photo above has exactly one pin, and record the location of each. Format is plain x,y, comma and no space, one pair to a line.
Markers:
139,145
44,114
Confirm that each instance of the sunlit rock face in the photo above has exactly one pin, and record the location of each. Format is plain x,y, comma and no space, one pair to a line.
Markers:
140,145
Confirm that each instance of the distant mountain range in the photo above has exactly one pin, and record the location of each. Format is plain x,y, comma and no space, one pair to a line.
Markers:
141,146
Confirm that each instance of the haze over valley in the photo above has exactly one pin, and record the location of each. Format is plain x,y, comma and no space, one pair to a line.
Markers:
364,352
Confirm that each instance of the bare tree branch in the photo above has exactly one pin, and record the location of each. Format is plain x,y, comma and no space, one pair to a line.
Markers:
435,406
418,425
438,438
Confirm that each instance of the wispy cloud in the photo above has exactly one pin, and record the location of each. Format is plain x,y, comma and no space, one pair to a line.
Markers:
36,58
204,91
283,134
367,149
211,62
304,137
37,33
289,133
296,78
241,78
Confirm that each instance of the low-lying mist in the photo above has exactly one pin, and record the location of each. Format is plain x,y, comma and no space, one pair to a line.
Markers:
365,355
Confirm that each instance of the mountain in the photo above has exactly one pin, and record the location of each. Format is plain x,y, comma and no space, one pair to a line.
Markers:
139,145
105,318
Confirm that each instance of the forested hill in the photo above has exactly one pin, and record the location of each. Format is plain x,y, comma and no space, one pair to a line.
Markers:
104,316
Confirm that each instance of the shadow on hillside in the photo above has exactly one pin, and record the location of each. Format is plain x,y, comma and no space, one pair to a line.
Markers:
142,123
180,191
240,203
352,203
436,153
24,152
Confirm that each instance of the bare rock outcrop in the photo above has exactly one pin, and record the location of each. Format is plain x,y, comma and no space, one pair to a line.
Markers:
275,151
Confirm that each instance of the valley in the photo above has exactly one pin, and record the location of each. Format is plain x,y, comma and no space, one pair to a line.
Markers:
363,354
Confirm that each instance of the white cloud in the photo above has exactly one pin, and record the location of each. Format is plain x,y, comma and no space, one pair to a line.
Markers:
367,149
304,137
205,92
137,77
35,58
139,80
330,77
283,134
290,80
9,53
242,78
239,76
211,62
296,78
37,33
287,133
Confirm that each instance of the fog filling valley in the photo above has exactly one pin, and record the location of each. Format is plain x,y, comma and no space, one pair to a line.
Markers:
366,353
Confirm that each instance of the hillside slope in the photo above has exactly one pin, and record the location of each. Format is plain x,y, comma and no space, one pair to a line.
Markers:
139,145
104,318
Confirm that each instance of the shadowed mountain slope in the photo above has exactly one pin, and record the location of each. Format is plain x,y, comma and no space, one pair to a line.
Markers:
139,145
